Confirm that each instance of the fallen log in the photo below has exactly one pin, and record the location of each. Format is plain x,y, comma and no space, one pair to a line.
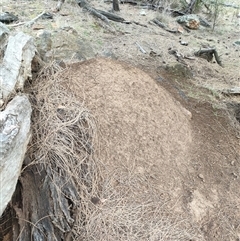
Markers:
162,25
29,23
208,55
16,66
111,16
14,138
15,69
231,91
104,16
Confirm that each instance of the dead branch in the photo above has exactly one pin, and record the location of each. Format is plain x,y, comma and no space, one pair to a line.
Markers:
29,23
140,24
208,55
141,48
162,25
231,91
105,16
111,16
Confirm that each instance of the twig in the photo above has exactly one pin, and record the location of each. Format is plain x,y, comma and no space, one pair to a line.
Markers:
140,24
162,25
29,23
141,48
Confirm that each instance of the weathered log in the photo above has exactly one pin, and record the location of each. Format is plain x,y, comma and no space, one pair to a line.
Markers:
231,91
46,201
162,25
14,138
16,65
131,2
208,55
111,16
15,116
4,32
85,5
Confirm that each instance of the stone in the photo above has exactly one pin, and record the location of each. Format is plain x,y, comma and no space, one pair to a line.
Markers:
44,44
201,177
6,17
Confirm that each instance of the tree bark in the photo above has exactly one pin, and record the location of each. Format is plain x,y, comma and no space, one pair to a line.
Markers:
208,55
116,5
42,210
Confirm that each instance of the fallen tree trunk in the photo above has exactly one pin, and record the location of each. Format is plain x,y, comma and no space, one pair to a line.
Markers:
15,115
105,16
231,91
111,16
208,55
162,25
43,211
14,138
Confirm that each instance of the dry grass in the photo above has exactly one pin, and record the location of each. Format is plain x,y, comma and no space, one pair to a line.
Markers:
63,135
111,204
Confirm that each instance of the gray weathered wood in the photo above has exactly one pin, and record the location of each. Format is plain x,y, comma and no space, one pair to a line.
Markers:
16,65
14,138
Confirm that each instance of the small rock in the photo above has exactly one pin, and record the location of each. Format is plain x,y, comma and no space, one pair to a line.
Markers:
95,200
184,43
47,16
143,12
6,17
188,114
234,175
201,177
237,42
44,44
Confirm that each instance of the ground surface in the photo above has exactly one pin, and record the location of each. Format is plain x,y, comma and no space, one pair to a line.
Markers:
165,135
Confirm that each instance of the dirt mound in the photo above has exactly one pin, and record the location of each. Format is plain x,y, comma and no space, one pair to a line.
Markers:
144,144
141,125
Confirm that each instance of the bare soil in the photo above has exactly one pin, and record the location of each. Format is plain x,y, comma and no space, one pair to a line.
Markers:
165,133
